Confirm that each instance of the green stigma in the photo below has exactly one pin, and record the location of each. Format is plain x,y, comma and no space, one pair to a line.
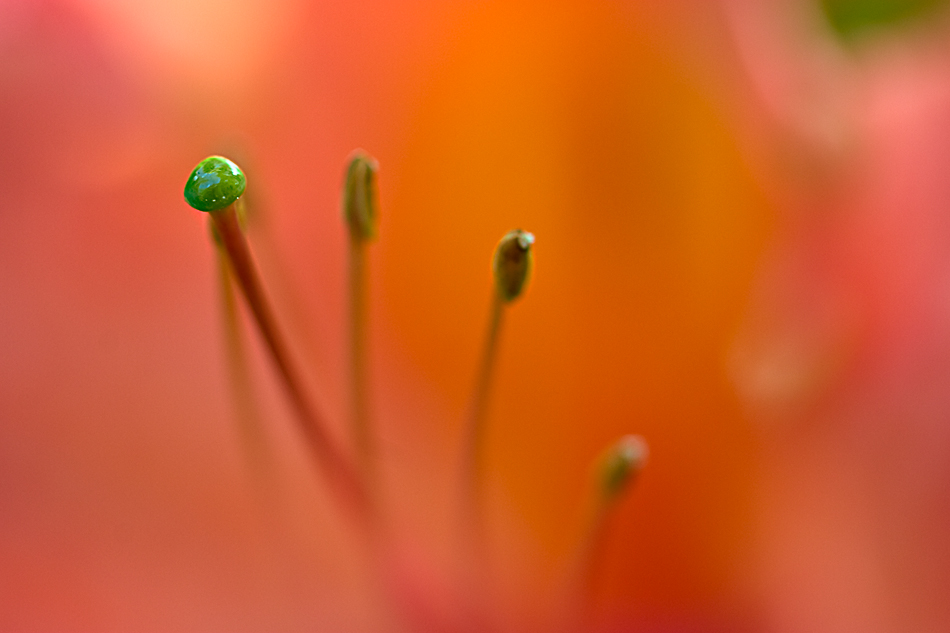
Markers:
214,184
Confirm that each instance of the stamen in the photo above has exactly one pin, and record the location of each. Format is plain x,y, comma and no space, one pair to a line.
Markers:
511,267
214,186
359,206
616,470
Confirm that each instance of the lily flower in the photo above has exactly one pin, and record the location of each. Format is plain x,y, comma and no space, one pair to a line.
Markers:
126,500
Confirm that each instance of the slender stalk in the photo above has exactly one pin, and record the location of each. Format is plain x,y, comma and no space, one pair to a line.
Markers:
474,563
359,391
249,423
586,564
343,478
474,446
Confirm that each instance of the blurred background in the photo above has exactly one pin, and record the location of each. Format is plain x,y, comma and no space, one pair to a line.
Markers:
743,255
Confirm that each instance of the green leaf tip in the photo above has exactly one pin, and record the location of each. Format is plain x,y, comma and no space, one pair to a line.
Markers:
360,195
512,264
214,184
620,465
854,18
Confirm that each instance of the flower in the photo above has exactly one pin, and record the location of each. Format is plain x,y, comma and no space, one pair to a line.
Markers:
126,503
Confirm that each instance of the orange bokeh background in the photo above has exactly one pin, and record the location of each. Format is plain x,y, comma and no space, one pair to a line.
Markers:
580,127
125,503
